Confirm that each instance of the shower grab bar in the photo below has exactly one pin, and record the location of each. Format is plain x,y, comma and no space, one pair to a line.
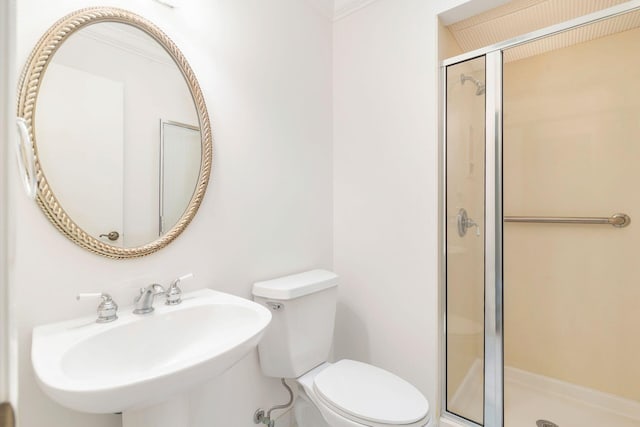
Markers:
618,220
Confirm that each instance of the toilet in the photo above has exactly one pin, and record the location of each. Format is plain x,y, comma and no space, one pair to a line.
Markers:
296,346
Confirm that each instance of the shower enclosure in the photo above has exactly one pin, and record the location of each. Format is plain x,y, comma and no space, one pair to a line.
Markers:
540,149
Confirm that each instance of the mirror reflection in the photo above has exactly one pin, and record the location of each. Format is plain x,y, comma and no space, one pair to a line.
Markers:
179,168
117,134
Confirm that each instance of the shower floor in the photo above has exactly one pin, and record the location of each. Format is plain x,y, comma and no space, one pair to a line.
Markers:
530,397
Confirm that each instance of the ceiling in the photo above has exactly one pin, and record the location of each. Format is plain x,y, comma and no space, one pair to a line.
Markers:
519,17
343,8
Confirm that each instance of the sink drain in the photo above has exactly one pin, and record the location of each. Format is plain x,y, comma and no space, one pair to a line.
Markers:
545,423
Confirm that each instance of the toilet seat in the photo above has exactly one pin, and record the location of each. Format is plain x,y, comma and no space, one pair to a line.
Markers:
369,396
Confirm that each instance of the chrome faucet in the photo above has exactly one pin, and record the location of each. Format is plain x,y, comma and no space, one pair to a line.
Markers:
144,301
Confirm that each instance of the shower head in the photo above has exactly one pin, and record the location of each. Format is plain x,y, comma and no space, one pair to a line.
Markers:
480,88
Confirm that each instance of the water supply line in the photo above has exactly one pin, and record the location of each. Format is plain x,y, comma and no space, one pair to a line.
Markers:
259,416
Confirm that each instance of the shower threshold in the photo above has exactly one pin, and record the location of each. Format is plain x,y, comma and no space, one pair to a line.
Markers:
530,398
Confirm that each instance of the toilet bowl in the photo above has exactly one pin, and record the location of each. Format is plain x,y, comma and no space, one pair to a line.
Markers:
306,413
354,394
296,346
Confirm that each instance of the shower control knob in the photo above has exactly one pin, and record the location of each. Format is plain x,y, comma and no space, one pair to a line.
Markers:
464,223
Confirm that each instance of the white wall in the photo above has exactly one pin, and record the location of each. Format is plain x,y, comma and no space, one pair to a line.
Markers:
7,135
385,188
265,69
4,116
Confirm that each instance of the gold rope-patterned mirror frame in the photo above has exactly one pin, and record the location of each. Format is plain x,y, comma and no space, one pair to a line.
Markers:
29,87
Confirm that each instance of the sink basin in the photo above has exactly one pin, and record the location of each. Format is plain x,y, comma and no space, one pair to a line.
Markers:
141,360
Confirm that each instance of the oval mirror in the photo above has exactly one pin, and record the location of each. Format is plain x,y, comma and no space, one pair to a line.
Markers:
120,132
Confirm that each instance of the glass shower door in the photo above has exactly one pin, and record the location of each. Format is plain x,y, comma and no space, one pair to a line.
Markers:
564,350
571,294
465,209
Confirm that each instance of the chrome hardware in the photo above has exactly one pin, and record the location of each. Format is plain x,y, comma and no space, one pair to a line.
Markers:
275,306
260,417
144,301
26,160
464,222
174,293
112,235
480,87
107,309
618,220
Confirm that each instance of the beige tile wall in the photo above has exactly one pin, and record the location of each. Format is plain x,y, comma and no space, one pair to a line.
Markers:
572,148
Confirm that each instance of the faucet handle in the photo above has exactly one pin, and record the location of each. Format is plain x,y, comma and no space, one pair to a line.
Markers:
174,293
107,309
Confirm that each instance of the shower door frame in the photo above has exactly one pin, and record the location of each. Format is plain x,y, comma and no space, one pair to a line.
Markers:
493,225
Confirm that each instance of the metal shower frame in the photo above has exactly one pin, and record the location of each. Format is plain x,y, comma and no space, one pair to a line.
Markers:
493,245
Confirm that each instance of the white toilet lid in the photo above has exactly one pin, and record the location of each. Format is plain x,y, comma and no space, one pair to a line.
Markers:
370,393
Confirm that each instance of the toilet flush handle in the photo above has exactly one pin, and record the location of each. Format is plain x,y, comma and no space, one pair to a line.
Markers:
275,306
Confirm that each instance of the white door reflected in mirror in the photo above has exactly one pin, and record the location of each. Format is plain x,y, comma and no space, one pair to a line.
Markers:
94,145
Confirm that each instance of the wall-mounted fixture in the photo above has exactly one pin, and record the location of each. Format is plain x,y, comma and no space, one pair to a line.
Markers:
25,158
464,223
101,169
618,220
480,87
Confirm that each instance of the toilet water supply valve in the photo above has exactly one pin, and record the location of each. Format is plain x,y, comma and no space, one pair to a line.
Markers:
259,416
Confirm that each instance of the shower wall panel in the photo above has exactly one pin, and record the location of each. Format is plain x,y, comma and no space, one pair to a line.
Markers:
572,148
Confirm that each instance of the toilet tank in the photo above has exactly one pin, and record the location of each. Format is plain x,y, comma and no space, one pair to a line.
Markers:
301,331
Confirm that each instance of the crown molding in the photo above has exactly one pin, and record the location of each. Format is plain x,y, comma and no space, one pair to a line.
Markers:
323,7
344,8
129,39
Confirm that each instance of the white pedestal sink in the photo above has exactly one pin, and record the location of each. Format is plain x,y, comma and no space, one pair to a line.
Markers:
172,413
142,365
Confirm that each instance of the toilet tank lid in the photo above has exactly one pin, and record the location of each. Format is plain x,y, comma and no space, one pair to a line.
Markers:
296,285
